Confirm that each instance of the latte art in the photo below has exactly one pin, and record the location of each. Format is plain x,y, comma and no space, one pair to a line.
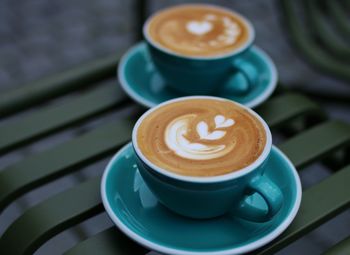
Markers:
175,138
198,30
201,137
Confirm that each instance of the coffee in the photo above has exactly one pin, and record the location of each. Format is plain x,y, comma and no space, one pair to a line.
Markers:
198,30
201,137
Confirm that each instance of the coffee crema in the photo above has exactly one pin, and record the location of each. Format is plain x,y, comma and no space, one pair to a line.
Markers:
201,137
198,30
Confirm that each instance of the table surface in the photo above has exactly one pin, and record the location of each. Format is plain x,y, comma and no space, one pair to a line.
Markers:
74,115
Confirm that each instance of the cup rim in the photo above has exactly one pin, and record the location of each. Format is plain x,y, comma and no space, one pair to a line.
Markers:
196,179
236,51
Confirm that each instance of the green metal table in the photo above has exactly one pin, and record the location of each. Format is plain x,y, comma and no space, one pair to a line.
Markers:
322,35
309,136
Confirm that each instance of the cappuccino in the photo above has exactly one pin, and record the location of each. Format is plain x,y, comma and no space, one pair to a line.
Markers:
201,137
198,30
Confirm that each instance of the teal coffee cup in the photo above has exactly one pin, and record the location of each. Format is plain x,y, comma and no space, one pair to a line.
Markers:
201,72
203,197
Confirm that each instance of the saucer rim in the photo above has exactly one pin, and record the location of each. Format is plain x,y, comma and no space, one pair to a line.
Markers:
238,250
149,104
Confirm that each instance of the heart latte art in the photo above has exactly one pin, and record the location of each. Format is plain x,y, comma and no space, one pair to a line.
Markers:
175,138
201,137
198,30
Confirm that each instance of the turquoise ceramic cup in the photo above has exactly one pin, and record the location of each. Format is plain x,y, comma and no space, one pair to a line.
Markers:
203,75
207,197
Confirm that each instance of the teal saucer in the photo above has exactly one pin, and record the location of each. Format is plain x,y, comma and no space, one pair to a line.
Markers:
141,81
137,213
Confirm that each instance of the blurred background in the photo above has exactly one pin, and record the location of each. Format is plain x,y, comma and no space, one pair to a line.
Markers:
39,38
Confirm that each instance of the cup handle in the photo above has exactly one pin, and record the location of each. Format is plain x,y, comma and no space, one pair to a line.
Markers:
248,71
272,195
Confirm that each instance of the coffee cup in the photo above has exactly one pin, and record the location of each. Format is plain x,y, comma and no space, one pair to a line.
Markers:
197,48
203,156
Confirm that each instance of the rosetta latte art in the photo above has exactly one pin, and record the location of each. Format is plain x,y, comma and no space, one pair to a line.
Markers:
201,137
175,137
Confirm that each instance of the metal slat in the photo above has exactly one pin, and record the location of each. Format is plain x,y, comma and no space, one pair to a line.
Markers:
56,85
319,204
281,109
310,49
339,17
45,229
69,80
116,241
341,248
317,142
51,119
54,118
141,16
105,243
317,21
55,214
38,169
58,213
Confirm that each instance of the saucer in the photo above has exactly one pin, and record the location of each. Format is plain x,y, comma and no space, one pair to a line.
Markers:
141,81
137,213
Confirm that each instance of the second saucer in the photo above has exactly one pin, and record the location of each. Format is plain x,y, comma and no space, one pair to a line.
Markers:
141,81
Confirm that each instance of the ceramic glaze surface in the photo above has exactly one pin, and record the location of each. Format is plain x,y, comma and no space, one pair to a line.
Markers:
135,210
142,81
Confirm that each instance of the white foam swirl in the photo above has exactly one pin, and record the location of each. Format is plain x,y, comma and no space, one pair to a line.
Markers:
199,27
175,138
230,35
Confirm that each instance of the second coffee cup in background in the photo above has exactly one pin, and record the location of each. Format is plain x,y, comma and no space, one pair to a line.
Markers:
195,47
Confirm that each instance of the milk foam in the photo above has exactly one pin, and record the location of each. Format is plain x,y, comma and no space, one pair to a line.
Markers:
199,27
229,36
198,30
201,137
175,138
